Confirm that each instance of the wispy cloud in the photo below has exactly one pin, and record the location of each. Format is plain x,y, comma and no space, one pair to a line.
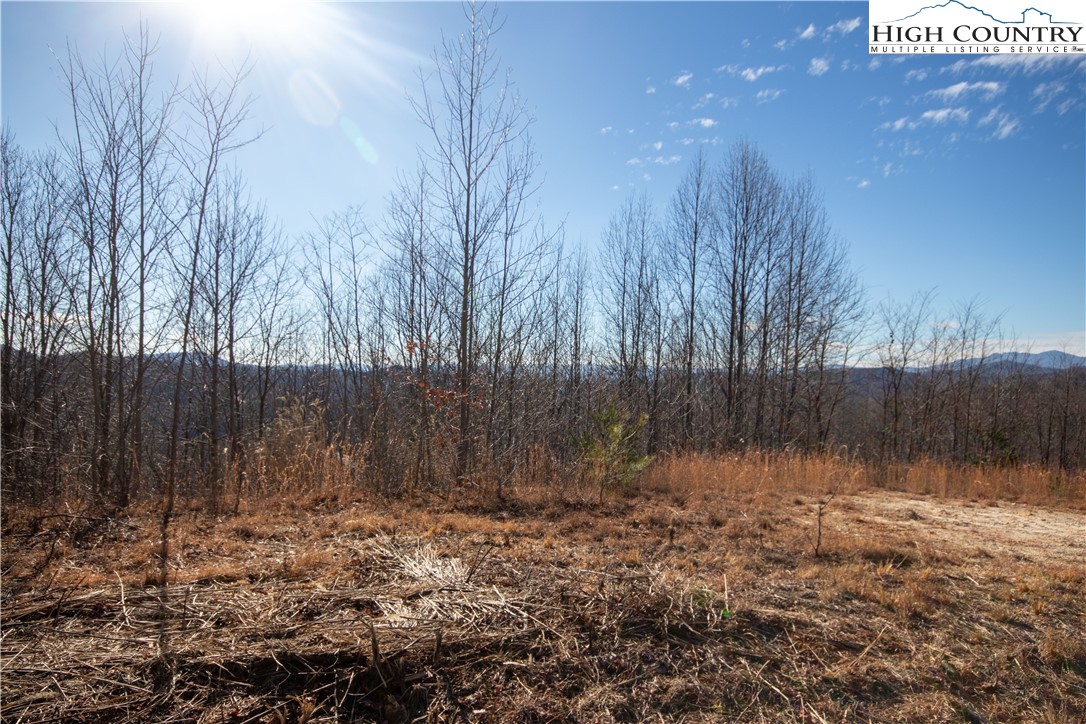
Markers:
633,162
703,122
606,130
704,100
935,117
667,160
801,34
750,74
941,116
658,145
651,89
769,94
899,125
1023,64
915,76
1045,93
843,27
987,89
1006,125
818,66
683,79
863,183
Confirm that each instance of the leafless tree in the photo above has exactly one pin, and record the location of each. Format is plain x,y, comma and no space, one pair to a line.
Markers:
476,125
689,245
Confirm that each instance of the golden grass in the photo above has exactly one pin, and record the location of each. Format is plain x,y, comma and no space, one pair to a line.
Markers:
760,475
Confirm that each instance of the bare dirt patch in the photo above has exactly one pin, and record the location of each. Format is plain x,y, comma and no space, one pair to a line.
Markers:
1021,532
659,605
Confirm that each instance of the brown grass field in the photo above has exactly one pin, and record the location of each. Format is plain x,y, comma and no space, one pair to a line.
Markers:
936,594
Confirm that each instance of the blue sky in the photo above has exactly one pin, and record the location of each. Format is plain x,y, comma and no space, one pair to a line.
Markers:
962,174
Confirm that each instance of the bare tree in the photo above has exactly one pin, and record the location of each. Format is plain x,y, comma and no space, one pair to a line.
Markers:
476,123
218,114
746,198
689,243
628,277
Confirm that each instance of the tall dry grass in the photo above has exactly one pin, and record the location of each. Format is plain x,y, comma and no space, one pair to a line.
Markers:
754,473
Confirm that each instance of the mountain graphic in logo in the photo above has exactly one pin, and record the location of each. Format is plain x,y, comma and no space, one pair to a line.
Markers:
955,10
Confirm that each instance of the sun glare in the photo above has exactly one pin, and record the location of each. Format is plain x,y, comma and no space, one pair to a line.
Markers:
254,23
300,48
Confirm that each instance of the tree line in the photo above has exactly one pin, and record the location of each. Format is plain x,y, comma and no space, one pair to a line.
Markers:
162,338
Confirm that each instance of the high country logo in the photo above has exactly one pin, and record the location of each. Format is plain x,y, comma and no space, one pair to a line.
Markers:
983,27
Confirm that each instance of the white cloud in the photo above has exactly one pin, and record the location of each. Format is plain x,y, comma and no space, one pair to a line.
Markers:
686,141
1068,105
703,122
673,125
753,74
704,100
750,74
874,64
729,102
916,75
818,66
769,94
646,176
897,125
1046,93
863,184
683,79
606,129
843,27
989,89
935,117
634,162
1018,63
804,34
1005,124
651,89
658,145
944,115
614,188
667,160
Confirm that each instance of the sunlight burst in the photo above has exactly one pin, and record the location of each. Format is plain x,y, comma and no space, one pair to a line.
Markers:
253,22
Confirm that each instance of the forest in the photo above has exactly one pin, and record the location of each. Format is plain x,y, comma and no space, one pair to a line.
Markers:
435,462
161,337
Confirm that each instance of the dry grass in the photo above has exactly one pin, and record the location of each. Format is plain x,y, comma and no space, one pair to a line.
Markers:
760,475
698,597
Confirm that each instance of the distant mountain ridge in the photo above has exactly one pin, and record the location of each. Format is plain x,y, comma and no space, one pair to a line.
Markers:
1050,360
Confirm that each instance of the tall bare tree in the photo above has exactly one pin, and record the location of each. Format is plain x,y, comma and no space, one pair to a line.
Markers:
690,224
476,124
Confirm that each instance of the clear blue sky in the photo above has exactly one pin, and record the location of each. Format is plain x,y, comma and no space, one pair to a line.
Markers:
963,174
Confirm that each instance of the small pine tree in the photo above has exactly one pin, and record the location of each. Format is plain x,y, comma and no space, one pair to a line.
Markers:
609,454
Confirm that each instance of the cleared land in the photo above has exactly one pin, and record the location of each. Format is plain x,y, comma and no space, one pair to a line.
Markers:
662,605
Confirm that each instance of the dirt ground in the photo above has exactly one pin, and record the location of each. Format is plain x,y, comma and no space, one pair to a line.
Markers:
658,606
1023,533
